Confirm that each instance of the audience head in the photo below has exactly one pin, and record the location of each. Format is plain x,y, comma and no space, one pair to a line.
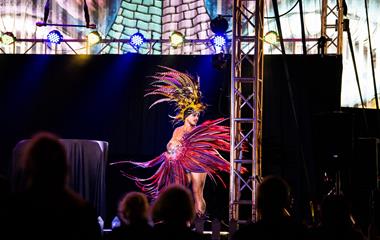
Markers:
45,162
273,196
133,208
335,210
174,205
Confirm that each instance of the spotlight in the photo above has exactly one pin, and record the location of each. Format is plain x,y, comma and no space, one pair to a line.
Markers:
271,37
176,39
137,40
219,25
93,38
219,41
55,37
8,38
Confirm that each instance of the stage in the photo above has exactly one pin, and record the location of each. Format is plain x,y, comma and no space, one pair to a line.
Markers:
101,98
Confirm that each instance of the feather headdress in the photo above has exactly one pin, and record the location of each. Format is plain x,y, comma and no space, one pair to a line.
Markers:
178,88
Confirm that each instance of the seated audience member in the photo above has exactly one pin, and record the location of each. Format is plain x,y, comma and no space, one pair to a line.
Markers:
273,197
336,221
133,212
173,213
47,208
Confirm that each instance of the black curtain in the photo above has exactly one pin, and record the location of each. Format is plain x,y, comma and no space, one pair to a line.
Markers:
101,98
314,85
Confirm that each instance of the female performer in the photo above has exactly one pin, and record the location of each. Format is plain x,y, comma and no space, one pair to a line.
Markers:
197,179
192,152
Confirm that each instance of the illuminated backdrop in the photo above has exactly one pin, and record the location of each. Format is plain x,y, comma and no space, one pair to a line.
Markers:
156,19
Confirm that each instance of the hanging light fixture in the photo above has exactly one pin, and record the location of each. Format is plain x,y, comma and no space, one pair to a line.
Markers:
8,38
176,39
55,37
93,38
137,40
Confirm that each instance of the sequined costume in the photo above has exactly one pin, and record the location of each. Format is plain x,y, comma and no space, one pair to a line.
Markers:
198,153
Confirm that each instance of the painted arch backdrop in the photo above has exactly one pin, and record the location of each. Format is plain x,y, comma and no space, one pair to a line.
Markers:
156,19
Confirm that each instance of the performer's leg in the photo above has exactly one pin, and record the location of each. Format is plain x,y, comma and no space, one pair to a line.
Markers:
188,179
198,181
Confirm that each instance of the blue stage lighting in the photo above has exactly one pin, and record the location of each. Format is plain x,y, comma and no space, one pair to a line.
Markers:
55,37
219,41
137,40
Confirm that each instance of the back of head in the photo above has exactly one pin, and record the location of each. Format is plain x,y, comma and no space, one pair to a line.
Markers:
45,162
174,206
133,208
273,196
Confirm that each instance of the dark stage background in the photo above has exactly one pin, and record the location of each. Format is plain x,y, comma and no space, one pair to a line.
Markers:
101,98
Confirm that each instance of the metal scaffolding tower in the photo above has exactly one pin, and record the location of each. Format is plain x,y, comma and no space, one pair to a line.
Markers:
332,26
246,109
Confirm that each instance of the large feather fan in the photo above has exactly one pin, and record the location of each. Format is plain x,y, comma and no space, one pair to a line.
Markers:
199,152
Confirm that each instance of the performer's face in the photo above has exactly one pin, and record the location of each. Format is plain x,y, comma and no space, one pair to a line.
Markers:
193,118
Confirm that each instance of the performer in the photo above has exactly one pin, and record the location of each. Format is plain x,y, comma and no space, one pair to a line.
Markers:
192,152
197,179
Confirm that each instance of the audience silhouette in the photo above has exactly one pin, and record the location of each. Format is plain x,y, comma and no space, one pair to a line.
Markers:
133,212
273,198
173,213
47,208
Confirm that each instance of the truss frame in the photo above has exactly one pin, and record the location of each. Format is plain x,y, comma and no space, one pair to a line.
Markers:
332,26
246,105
